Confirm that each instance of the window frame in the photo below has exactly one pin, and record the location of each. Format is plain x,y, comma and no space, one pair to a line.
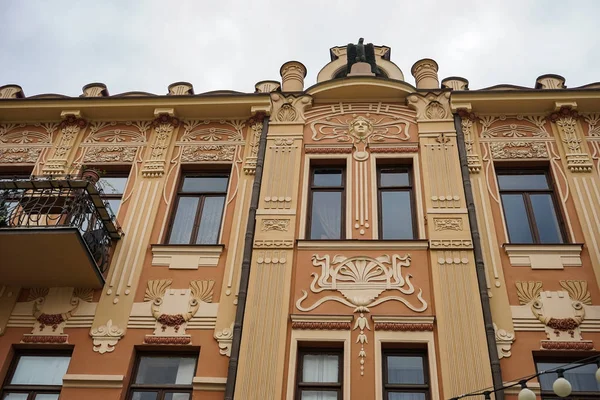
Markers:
113,196
549,394
405,388
312,189
199,208
528,206
160,390
31,390
337,387
410,189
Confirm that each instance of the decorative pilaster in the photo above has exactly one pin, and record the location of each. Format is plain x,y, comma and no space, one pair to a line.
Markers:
164,125
473,157
462,336
116,301
566,119
70,128
266,316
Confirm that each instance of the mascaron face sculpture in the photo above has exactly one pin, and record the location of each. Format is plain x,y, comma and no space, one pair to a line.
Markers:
360,127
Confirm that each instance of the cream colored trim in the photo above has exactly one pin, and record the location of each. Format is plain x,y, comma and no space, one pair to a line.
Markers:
417,192
318,336
186,257
209,383
321,318
362,244
382,337
534,386
446,211
544,256
404,319
305,180
92,381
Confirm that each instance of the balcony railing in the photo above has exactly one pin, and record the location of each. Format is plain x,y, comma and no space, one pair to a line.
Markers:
48,203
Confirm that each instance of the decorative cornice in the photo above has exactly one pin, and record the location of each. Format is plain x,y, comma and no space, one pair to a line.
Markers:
563,345
180,340
398,149
328,150
54,339
323,325
402,327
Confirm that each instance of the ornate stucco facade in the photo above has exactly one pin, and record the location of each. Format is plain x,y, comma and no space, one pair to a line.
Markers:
479,309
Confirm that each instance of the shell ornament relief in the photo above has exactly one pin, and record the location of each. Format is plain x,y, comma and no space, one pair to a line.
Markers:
358,282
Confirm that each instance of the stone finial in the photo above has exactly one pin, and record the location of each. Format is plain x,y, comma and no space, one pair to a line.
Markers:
550,81
292,76
266,86
95,90
11,92
455,83
425,73
180,89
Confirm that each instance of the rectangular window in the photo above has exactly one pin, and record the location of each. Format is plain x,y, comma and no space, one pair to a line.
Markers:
162,377
395,196
319,374
326,213
529,207
405,375
35,376
582,379
113,187
199,209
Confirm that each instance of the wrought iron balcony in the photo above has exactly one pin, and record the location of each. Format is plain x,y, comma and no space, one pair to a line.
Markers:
54,231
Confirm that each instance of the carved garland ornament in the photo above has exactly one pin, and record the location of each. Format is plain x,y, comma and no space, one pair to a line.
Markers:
361,280
561,315
518,150
169,324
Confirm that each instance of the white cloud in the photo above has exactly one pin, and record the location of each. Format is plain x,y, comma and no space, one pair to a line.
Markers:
145,45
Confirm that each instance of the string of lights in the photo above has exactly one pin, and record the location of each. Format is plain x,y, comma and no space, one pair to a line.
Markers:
561,386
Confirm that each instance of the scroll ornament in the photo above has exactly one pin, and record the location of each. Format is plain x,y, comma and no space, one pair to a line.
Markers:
361,280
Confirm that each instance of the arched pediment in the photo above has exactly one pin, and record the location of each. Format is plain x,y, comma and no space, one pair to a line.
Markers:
360,89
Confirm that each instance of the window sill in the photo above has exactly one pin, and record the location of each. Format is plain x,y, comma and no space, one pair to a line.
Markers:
355,244
544,256
184,256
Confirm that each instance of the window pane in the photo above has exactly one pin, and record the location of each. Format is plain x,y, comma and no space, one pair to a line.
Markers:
144,396
405,370
516,218
15,396
184,220
166,370
320,368
177,396
582,379
205,184
328,178
326,222
210,221
523,182
396,215
545,218
113,184
393,178
40,370
47,396
114,204
318,395
406,396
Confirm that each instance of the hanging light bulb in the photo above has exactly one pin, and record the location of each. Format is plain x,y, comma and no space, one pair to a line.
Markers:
561,386
598,375
526,393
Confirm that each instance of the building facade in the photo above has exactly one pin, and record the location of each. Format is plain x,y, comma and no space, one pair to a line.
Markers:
362,238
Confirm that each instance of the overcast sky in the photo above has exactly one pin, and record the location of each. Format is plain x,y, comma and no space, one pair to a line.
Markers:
50,46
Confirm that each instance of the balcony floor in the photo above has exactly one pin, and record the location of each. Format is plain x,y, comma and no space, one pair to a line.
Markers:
46,257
